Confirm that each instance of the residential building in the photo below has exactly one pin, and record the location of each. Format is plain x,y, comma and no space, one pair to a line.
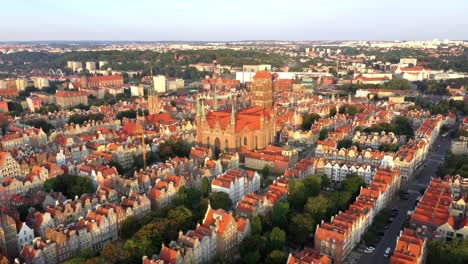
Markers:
71,98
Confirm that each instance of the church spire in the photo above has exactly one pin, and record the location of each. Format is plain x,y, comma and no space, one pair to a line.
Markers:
203,110
197,113
215,98
233,111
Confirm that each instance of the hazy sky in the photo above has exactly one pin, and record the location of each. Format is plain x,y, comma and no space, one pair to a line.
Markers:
232,20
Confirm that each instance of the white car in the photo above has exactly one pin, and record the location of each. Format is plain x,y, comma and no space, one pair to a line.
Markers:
371,248
368,251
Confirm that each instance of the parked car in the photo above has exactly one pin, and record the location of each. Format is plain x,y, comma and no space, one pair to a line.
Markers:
387,252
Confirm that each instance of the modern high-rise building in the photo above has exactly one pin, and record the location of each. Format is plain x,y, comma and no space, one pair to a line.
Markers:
159,84
91,65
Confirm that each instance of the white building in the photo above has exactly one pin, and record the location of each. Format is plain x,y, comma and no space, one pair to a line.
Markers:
40,82
24,236
174,84
159,84
102,63
91,65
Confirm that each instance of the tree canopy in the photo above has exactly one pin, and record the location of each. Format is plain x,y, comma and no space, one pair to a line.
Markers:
70,185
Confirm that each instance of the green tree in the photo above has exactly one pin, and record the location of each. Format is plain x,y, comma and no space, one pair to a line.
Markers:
265,171
220,200
276,257
308,120
129,227
326,181
452,252
256,225
323,134
300,227
70,185
115,253
397,84
312,184
344,143
280,214
205,186
296,194
317,207
277,238
251,244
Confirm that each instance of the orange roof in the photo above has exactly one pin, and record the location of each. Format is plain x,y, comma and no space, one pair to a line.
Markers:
262,75
168,255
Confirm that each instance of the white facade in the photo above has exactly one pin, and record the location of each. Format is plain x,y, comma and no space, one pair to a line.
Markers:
24,236
40,83
91,65
102,63
159,84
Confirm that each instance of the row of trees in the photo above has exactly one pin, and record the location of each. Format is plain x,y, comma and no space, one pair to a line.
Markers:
40,123
453,165
172,148
455,252
441,107
82,118
292,223
401,126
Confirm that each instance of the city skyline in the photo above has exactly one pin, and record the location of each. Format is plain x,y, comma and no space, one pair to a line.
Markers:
209,20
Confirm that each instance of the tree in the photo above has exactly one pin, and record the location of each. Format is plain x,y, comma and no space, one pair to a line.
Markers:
129,227
300,227
265,171
205,186
344,143
220,200
280,214
352,110
397,84
70,185
333,71
252,257
403,126
115,253
296,194
251,244
453,252
317,207
40,124
308,120
326,181
23,211
277,238
15,108
332,112
256,225
312,184
323,134
276,257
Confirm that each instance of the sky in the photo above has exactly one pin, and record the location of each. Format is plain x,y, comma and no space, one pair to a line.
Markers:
222,20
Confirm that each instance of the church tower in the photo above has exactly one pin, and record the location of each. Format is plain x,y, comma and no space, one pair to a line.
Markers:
262,90
154,106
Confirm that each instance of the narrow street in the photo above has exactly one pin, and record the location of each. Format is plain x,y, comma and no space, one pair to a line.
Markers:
420,182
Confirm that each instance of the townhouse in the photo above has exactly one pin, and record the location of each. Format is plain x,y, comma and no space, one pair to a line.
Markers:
236,184
337,238
409,248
